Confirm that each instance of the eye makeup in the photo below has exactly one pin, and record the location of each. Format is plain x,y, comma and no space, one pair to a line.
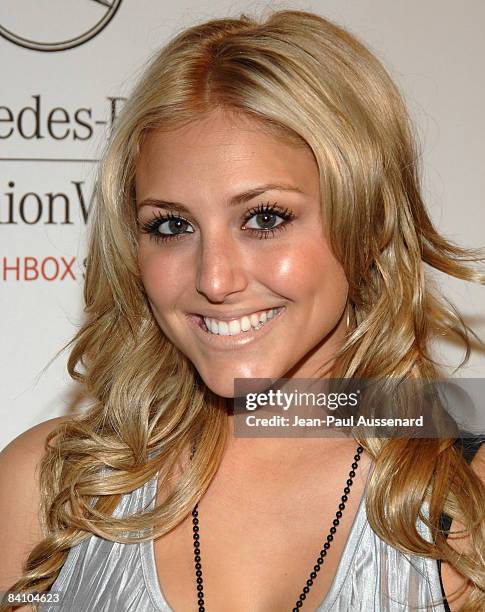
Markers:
178,225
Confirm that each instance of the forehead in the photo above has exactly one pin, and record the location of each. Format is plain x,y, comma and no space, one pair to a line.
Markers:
222,146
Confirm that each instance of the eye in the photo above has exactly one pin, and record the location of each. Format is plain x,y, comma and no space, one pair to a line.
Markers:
266,218
166,226
269,218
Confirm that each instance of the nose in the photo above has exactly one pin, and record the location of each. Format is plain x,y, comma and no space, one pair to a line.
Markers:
221,268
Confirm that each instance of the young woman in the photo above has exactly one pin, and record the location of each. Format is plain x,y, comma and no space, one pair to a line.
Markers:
259,216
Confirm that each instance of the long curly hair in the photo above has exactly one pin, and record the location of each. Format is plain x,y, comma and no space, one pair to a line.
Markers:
314,84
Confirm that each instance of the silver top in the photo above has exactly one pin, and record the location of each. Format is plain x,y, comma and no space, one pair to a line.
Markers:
372,576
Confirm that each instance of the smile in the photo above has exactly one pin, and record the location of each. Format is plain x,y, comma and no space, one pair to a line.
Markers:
237,331
234,327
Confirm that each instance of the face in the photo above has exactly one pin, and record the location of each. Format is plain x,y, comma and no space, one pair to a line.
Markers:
233,254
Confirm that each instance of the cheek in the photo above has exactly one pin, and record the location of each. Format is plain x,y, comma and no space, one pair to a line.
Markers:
160,275
309,269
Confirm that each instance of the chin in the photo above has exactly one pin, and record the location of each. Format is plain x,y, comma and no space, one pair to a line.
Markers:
224,386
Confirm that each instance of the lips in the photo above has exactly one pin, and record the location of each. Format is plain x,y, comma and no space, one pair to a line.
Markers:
237,314
227,341
236,326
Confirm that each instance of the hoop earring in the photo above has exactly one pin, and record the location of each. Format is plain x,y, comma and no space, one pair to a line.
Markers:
348,315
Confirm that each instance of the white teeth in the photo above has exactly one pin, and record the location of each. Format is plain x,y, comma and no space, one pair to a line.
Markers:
223,328
245,324
234,327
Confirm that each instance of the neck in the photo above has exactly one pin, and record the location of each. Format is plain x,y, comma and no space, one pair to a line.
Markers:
291,448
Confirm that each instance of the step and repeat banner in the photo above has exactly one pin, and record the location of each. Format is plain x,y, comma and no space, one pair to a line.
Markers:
67,67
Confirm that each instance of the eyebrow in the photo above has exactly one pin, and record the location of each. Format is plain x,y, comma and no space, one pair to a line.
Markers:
235,200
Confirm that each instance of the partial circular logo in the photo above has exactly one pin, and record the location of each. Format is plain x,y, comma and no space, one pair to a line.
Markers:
54,25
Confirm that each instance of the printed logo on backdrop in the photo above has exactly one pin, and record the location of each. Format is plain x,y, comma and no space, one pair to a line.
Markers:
49,147
54,25
26,206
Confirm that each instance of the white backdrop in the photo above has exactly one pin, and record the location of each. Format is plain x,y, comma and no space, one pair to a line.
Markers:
56,107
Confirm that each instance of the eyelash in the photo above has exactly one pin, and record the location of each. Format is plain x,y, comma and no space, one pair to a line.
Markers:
152,226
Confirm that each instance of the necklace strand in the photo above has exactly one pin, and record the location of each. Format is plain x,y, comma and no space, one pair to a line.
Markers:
321,556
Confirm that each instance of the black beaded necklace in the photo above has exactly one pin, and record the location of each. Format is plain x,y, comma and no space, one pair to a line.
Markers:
321,557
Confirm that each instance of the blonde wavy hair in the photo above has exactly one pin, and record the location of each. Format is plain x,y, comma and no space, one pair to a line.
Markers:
312,83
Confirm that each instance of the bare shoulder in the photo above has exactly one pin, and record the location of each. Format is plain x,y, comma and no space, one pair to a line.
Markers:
454,584
33,437
19,498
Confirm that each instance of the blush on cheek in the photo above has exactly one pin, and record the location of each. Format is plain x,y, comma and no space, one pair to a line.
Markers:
158,272
306,268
